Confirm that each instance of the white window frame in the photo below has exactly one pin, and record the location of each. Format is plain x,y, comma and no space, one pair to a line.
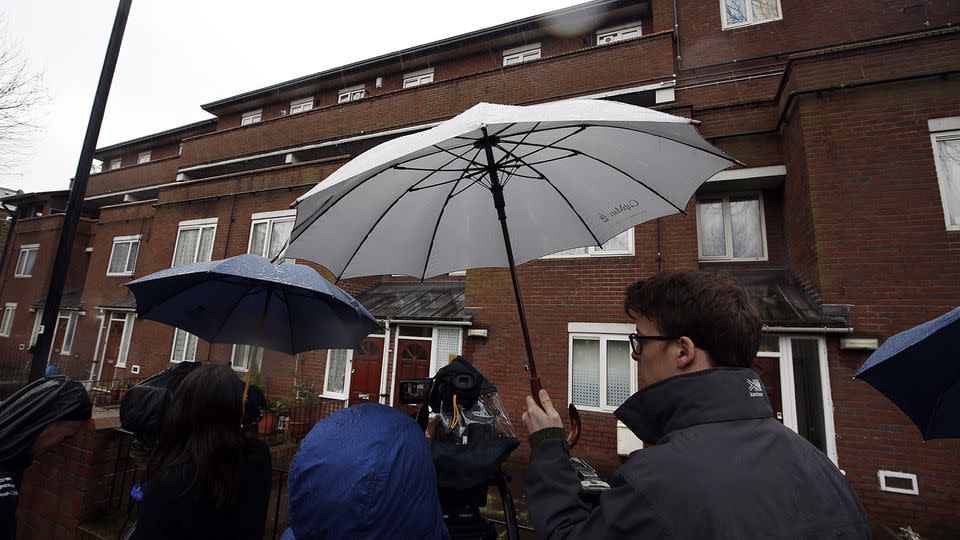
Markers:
127,318
935,139
614,34
788,393
9,312
115,163
594,251
143,157
519,55
353,93
251,117
298,106
71,331
882,475
728,227
602,332
37,323
186,347
269,218
24,254
418,78
751,18
199,224
348,368
256,355
132,239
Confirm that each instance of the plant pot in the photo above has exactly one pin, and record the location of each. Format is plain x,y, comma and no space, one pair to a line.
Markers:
267,424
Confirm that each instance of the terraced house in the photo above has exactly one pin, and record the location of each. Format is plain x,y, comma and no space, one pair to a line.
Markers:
844,225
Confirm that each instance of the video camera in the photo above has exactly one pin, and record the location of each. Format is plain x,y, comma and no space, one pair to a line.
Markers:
473,437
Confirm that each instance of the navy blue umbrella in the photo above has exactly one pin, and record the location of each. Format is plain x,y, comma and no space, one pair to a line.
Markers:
249,300
919,370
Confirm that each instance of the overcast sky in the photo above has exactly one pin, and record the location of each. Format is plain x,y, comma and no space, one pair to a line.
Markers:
178,54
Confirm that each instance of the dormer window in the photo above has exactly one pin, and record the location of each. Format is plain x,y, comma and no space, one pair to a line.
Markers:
618,33
301,105
250,117
115,163
143,157
518,55
351,94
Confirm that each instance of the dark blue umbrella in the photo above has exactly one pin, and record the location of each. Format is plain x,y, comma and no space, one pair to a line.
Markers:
919,370
248,300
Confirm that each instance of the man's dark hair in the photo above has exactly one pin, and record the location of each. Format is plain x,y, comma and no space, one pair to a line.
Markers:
711,309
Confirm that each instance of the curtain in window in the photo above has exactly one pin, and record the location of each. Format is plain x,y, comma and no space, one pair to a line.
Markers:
186,246
764,10
736,11
184,346
118,263
586,372
712,231
620,242
745,227
132,256
336,371
206,245
950,163
618,372
279,235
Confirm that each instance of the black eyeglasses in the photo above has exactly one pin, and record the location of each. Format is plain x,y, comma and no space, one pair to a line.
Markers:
636,341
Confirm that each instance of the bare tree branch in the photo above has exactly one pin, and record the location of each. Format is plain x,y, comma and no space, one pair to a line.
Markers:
22,96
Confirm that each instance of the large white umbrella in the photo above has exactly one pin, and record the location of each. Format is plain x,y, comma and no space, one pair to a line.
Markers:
499,185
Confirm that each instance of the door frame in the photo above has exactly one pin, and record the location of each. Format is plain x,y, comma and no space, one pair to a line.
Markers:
349,373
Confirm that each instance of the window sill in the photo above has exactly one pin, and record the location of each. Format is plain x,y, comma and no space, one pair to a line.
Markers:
338,397
593,409
120,275
749,24
756,259
22,276
590,256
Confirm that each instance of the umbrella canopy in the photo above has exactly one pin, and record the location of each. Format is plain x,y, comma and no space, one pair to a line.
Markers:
248,300
919,370
573,173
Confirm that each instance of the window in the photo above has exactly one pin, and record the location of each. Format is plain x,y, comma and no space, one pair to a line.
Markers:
335,378
123,256
184,347
117,339
28,258
301,105
269,232
115,163
250,117
37,324
518,55
143,157
731,228
946,153
242,355
351,94
619,33
418,78
898,482
621,244
601,373
737,13
7,324
794,372
67,320
194,241
447,340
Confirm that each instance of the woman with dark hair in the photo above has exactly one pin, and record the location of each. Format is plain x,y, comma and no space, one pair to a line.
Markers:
206,478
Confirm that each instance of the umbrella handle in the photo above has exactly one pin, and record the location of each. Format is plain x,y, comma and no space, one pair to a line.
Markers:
574,436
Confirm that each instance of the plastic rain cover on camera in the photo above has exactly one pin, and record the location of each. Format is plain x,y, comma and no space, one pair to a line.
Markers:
474,435
24,415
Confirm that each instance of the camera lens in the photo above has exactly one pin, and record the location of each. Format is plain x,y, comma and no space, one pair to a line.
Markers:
464,381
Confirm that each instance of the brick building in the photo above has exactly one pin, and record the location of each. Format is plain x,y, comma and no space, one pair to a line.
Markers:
843,226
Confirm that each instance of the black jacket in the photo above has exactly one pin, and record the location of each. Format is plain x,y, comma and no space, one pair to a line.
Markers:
722,467
174,506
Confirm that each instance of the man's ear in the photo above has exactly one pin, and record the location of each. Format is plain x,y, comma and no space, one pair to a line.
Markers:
686,353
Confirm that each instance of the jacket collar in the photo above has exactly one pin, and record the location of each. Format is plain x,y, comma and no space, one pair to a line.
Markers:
712,395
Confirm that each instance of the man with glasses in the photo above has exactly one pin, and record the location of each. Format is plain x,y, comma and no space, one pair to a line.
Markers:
721,465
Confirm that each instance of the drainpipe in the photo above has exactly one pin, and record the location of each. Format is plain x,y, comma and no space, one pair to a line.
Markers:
386,358
676,31
659,248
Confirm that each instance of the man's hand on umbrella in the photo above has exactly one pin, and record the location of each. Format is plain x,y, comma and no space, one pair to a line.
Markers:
537,418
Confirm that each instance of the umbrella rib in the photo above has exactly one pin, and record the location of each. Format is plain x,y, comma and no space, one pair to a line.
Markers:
516,144
384,213
436,226
562,196
619,170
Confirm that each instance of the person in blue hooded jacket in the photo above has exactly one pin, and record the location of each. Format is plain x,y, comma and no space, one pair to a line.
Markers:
364,472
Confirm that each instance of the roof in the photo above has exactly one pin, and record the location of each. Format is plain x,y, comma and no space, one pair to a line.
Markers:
417,51
127,303
427,301
782,301
70,301
169,133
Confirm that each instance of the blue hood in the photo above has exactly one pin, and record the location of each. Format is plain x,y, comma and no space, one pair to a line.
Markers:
364,472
